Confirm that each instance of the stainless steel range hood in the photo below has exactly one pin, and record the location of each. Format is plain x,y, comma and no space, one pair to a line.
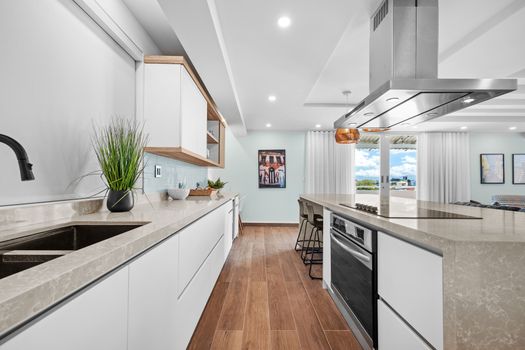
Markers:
403,71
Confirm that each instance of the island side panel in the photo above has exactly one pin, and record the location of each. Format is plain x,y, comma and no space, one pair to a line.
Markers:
490,297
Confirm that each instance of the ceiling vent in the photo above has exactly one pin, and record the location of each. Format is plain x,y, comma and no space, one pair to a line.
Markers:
380,14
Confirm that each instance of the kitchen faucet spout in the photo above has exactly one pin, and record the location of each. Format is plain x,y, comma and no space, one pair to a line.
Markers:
26,168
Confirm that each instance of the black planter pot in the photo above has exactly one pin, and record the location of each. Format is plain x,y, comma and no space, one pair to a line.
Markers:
119,201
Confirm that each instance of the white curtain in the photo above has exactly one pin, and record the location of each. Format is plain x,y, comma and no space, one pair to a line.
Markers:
329,166
443,167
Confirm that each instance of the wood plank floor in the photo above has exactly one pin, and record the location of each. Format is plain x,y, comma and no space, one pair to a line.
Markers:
264,299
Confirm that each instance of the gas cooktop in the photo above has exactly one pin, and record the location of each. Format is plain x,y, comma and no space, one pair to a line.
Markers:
389,211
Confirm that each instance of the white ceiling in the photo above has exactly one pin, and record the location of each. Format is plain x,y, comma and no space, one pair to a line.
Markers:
156,24
243,56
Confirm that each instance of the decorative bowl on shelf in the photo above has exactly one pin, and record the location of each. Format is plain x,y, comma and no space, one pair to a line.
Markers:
178,193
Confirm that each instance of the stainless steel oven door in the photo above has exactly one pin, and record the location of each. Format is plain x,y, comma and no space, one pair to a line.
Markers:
353,280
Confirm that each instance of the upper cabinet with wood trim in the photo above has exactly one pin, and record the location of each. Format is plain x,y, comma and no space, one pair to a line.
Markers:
181,118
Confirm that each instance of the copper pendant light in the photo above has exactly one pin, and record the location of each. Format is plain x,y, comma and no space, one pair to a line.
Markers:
375,129
347,136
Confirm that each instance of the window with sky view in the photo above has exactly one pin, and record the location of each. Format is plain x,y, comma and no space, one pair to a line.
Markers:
403,166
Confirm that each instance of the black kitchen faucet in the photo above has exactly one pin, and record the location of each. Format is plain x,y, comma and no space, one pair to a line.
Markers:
26,172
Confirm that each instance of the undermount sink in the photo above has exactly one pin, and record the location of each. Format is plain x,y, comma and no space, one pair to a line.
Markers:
23,253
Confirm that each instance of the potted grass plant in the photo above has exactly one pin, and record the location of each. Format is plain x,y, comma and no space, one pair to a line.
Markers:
119,147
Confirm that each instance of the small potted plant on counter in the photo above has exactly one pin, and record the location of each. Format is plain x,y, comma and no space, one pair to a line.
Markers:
119,148
217,185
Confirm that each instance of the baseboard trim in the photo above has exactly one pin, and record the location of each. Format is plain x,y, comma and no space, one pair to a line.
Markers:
281,224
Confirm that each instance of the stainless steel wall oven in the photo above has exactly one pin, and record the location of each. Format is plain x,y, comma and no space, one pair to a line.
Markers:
354,276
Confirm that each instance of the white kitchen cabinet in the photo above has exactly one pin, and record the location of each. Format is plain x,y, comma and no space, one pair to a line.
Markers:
196,243
228,228
175,111
193,114
394,334
236,211
153,279
327,271
410,280
95,319
153,302
192,302
162,104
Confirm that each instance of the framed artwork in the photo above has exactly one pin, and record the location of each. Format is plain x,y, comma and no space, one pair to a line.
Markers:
492,168
272,168
518,169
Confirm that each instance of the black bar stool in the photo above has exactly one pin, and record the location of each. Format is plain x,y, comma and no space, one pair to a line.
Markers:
314,244
303,217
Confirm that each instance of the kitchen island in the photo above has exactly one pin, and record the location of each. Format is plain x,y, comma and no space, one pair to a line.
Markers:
146,287
483,274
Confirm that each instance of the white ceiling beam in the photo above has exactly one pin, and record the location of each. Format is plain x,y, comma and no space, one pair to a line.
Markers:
197,26
482,29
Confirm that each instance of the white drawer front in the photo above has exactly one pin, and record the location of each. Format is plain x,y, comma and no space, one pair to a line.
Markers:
192,302
152,301
95,319
196,243
394,334
410,279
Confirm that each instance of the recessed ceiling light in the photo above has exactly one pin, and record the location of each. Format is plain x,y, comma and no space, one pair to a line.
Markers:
317,126
392,99
268,125
512,128
369,113
464,128
468,100
352,124
432,114
272,98
284,22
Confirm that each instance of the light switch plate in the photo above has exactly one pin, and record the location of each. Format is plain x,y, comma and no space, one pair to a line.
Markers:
158,171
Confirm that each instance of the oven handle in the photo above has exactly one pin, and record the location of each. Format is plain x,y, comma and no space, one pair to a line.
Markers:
349,250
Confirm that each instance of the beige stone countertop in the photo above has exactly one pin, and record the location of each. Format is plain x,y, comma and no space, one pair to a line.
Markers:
483,266
495,225
26,294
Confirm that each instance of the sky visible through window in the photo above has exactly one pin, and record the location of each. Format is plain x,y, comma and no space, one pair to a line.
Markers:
402,164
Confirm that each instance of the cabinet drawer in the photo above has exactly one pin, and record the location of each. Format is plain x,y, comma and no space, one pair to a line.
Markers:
95,319
393,333
192,302
152,301
410,280
196,243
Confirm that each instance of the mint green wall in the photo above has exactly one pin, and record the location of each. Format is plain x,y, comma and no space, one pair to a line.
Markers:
508,144
264,205
173,172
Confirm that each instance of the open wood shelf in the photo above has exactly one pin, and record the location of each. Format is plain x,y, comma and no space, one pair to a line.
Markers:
182,154
213,114
211,139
